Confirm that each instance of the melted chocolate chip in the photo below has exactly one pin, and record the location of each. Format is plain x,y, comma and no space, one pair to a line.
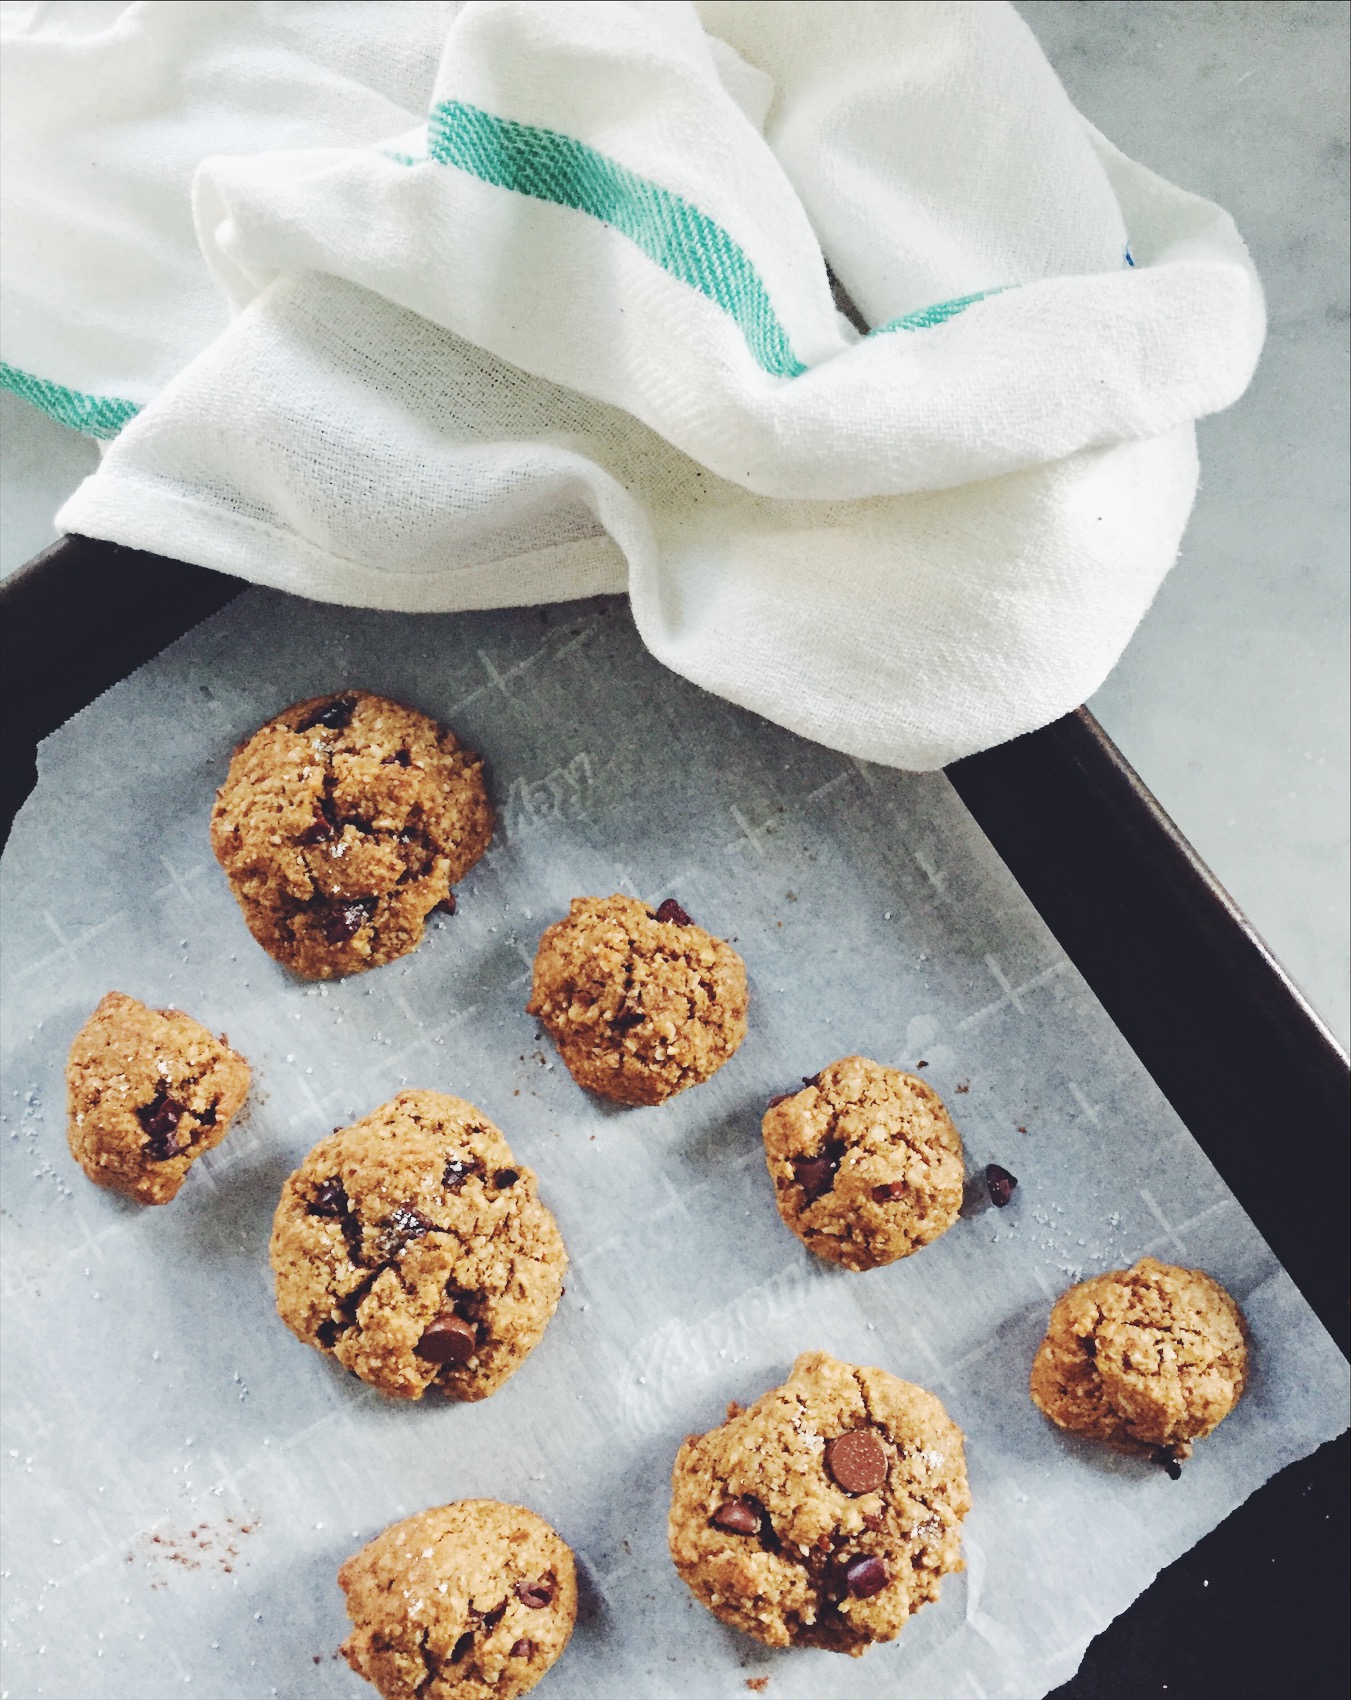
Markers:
779,1098
865,1576
462,1646
1167,1459
345,920
447,904
536,1595
320,833
889,1192
1090,1345
494,1617
327,1332
400,758
670,910
404,1224
522,1649
816,1175
738,1517
335,713
329,1199
1000,1183
160,1119
448,1339
457,1171
505,1178
811,1079
857,1461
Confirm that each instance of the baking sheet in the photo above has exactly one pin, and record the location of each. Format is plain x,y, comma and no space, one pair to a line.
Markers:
181,1478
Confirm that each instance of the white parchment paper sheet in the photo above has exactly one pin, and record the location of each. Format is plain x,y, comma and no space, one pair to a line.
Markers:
181,1478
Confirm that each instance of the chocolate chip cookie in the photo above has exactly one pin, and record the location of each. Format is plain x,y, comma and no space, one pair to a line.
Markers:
826,1513
341,824
1146,1359
414,1248
865,1161
641,1003
147,1092
470,1601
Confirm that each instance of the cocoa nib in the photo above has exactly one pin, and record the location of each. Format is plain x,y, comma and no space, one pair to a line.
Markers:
670,910
160,1119
1000,1184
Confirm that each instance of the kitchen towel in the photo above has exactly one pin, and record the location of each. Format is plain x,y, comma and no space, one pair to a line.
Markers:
435,307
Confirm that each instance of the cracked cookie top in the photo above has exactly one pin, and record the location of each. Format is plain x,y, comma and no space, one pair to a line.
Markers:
641,1003
825,1513
147,1092
1146,1359
341,824
414,1248
464,1602
866,1164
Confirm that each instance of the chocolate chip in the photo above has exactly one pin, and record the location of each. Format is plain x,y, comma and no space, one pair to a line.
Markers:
327,1332
1090,1345
865,1577
780,1098
1000,1183
522,1649
160,1119
320,833
494,1617
400,758
447,904
738,1517
627,1020
857,1461
345,920
1169,1460
889,1192
536,1595
462,1646
329,1199
405,1224
505,1178
334,713
811,1079
670,910
448,1339
457,1171
816,1175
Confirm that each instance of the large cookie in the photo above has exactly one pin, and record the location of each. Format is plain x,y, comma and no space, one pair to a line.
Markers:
341,824
472,1601
865,1161
147,1092
1145,1359
826,1513
641,1003
414,1248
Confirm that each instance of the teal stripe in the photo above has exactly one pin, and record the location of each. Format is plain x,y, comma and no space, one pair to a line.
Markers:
684,242
923,317
94,415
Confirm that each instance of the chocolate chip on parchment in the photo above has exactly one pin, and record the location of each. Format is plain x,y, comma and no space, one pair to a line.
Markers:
1167,1458
329,1198
160,1119
536,1595
505,1178
865,1577
889,1192
737,1517
345,920
670,910
522,1649
448,1339
1000,1184
857,1461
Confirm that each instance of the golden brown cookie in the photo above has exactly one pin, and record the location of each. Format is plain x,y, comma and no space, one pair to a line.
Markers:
865,1161
824,1514
147,1092
341,824
472,1601
1146,1359
641,1003
414,1248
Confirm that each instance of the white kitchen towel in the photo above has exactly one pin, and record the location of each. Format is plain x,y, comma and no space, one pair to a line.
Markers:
531,301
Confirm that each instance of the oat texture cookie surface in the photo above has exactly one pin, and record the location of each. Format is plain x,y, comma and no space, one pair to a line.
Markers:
641,1003
826,1513
865,1162
414,1248
1146,1359
469,1601
147,1092
341,824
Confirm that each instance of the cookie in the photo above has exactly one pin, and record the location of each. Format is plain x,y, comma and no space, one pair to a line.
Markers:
147,1092
470,1601
341,824
1146,1359
866,1164
414,1248
824,1514
641,1003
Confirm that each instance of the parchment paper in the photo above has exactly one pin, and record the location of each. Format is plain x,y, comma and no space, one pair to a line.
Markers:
181,1478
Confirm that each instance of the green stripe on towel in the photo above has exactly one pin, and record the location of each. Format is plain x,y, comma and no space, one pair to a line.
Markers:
94,415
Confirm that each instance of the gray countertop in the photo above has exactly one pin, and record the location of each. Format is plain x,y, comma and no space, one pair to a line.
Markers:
1232,699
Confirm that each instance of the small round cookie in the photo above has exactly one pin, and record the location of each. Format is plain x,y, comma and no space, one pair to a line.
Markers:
824,1514
865,1161
341,824
641,1003
147,1092
472,1601
414,1248
1147,1359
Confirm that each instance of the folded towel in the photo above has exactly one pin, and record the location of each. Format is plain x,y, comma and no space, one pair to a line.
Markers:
431,307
